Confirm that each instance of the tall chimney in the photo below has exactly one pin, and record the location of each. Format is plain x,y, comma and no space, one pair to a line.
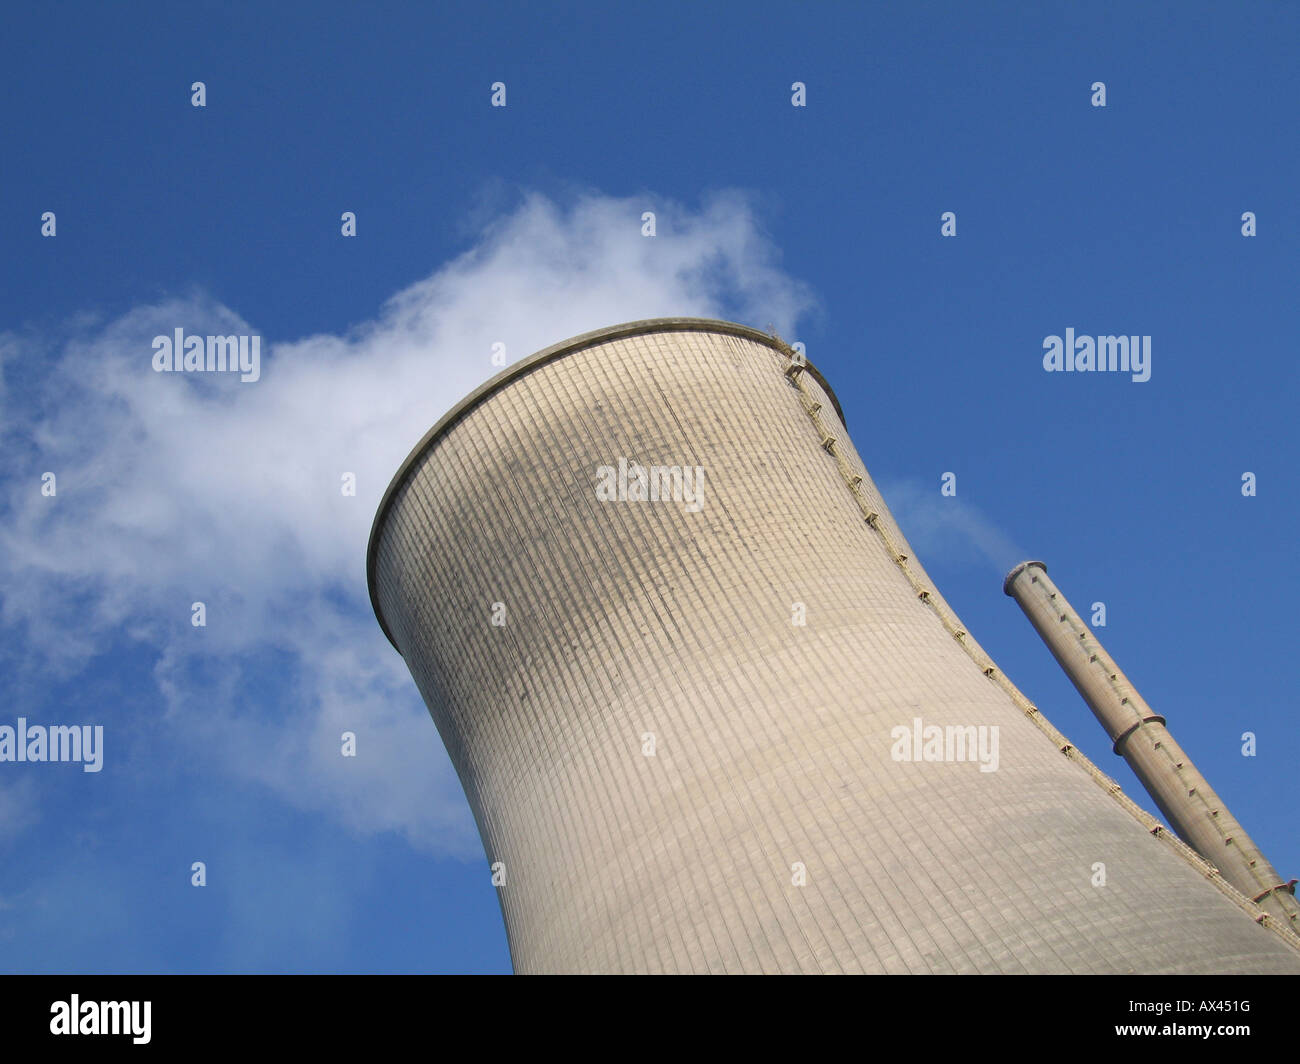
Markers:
1188,802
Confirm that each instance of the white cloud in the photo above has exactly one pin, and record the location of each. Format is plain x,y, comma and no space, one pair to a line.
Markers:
175,488
18,810
949,527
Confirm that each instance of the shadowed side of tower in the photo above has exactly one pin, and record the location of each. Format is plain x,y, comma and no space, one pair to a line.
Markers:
677,774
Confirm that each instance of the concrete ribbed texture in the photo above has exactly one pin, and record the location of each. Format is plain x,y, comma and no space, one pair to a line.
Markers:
773,741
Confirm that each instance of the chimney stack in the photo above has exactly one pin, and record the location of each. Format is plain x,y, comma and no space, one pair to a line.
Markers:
1184,796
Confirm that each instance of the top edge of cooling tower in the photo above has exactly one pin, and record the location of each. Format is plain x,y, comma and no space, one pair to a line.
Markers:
525,366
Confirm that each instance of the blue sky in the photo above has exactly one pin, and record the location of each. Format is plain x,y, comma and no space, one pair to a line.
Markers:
522,224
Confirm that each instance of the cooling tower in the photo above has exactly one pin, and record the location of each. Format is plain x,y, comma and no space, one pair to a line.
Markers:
710,713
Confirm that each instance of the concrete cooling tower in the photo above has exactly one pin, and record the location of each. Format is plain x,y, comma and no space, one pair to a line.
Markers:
711,714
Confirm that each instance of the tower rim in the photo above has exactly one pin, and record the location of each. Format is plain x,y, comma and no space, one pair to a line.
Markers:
521,369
